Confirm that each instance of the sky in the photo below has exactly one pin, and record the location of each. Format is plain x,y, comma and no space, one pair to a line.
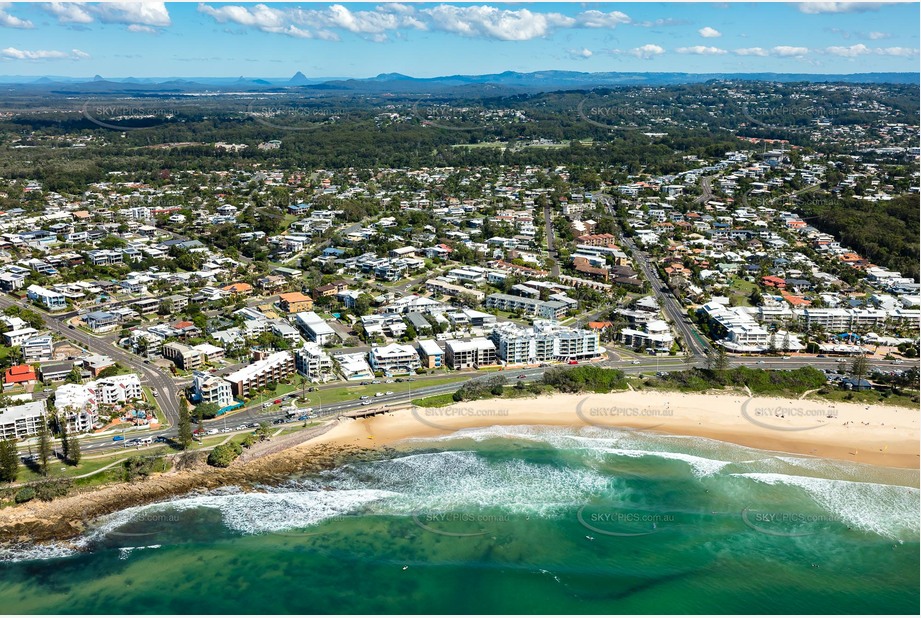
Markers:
207,39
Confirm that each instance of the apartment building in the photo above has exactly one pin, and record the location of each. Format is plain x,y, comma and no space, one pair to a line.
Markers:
117,389
274,367
430,354
78,405
207,388
183,356
740,331
472,354
312,361
315,328
23,420
551,310
36,349
394,358
544,342
656,336
295,302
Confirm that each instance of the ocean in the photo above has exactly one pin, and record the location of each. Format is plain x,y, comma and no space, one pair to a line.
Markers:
530,520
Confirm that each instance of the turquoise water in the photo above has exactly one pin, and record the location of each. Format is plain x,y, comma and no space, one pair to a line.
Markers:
508,520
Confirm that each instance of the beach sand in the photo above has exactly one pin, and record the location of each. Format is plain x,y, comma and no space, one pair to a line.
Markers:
878,435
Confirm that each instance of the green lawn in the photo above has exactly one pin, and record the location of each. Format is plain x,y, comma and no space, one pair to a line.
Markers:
435,401
350,392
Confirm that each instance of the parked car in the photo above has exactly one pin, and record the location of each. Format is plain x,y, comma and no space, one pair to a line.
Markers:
389,393
363,397
378,394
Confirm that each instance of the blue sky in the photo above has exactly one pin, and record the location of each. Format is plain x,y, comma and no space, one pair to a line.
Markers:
428,39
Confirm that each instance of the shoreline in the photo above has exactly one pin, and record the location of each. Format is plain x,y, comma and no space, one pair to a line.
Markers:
874,435
878,436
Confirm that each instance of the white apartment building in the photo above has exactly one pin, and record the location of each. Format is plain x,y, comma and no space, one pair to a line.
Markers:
394,358
207,388
312,361
741,332
474,353
116,389
77,403
545,341
23,420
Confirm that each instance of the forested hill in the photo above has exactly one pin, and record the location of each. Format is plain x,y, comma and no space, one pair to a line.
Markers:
886,233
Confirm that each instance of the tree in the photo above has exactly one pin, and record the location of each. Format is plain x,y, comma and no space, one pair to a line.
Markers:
206,410
61,422
859,368
44,447
9,461
717,360
73,450
185,426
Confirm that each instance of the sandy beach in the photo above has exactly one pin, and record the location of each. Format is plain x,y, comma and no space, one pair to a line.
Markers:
877,435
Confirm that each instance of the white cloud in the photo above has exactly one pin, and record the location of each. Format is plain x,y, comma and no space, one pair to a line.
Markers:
11,21
580,54
482,21
875,36
142,13
138,16
787,51
657,23
817,8
39,54
647,52
849,52
904,52
751,51
597,19
490,22
69,12
79,54
709,33
701,50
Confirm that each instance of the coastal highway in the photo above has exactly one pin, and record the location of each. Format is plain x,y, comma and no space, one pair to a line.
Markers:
647,365
149,375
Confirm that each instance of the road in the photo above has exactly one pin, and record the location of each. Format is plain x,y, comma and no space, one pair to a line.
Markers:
149,375
551,243
706,190
667,302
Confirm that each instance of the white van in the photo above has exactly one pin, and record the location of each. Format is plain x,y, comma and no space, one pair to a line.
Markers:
145,441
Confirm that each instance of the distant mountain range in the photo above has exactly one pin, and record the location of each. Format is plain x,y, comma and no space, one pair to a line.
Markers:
509,82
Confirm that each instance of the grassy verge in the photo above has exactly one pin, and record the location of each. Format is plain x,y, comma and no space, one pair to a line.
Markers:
435,401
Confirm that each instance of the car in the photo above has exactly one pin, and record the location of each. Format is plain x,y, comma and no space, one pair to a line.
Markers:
302,417
366,403
898,362
363,397
378,394
365,383
389,393
253,425
239,427
211,432
278,421
71,326
146,361
573,362
277,401
155,392
226,429
47,390
636,362
785,357
161,439
399,379
820,356
388,381
375,381
522,377
761,362
118,438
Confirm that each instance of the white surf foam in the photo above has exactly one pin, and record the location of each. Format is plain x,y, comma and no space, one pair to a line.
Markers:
891,511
